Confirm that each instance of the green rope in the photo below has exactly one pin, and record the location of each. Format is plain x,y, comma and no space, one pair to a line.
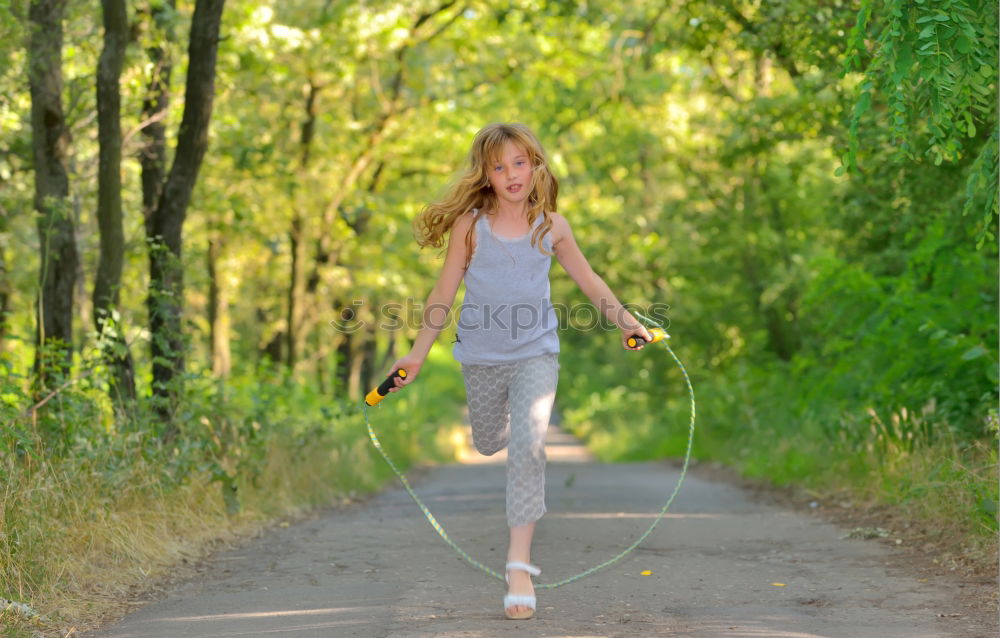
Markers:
492,572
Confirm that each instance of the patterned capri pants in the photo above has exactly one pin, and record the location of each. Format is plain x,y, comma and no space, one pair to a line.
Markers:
509,406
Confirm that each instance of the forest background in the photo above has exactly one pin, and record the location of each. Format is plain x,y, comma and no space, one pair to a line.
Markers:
206,255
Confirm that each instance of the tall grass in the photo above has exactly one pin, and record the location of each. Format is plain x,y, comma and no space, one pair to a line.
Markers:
90,511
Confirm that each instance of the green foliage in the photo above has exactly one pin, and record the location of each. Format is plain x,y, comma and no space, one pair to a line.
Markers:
257,447
934,65
945,371
981,189
932,59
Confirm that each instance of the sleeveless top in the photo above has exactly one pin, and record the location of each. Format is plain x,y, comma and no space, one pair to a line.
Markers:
507,314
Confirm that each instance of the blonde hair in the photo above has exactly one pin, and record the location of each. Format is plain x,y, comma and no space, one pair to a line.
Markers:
472,188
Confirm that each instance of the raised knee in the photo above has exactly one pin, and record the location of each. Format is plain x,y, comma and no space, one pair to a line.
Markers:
487,450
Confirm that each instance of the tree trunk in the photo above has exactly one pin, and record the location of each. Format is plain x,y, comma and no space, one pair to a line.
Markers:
165,225
295,293
356,363
296,236
218,312
368,370
153,155
107,283
343,370
50,140
322,361
390,355
5,284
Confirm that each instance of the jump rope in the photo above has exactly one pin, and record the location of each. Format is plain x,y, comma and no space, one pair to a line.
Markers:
659,335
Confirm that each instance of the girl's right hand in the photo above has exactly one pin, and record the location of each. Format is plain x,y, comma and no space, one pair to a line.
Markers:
411,364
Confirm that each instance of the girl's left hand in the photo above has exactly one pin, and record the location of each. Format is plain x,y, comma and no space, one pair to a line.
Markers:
636,332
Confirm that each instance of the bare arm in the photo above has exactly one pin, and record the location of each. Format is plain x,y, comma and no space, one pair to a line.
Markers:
439,302
592,285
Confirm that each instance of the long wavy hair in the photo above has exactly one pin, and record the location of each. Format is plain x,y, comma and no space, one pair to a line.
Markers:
472,188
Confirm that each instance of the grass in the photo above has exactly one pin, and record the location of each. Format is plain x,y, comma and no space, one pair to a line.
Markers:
947,494
82,532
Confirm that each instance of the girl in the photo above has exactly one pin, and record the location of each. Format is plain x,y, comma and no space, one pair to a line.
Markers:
503,229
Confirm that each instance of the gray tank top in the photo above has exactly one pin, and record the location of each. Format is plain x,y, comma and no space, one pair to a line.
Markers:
507,314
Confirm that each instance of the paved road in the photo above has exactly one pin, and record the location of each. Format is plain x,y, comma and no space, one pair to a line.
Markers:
379,569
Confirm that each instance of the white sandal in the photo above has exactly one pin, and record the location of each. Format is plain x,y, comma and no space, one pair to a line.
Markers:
524,600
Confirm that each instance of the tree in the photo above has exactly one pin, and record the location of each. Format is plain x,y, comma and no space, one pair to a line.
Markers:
166,219
934,68
109,205
50,140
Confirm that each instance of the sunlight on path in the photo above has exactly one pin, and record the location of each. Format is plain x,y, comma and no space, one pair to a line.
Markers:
560,447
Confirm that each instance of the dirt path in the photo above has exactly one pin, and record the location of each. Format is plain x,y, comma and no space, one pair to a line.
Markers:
380,570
